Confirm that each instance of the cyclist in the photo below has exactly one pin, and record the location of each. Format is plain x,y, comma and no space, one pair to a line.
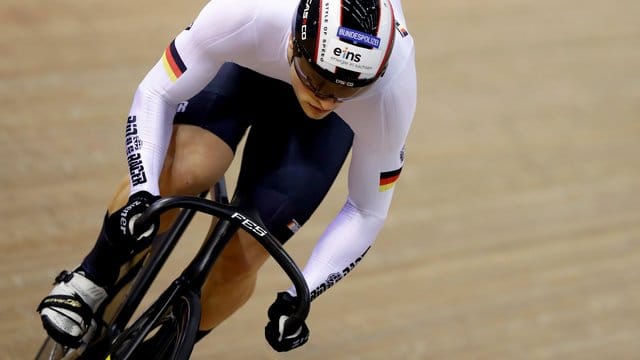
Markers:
338,77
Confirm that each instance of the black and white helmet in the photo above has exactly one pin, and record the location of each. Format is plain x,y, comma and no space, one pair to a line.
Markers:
348,42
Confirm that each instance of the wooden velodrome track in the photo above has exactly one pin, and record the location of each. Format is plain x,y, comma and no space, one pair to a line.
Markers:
515,229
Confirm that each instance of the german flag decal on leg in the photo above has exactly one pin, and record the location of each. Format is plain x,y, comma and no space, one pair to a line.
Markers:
172,62
388,178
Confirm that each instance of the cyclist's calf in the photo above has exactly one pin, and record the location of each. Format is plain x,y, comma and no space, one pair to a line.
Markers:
232,280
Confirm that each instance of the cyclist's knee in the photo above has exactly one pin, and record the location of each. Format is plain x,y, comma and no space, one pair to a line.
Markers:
240,259
185,181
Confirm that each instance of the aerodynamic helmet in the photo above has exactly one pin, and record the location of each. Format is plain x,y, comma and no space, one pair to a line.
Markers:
347,42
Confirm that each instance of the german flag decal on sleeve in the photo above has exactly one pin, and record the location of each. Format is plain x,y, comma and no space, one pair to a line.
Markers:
172,62
388,178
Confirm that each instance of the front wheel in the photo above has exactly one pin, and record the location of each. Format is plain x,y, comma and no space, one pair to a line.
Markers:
171,336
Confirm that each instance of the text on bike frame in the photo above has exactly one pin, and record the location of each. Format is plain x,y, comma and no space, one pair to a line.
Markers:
249,225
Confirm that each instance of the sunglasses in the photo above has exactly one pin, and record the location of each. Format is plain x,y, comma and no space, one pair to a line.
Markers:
321,88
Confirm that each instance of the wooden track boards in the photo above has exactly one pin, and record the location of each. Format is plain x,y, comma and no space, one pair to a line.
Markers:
515,228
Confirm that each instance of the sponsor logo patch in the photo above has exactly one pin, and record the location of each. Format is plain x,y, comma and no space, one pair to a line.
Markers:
333,278
359,37
134,159
182,107
305,16
351,57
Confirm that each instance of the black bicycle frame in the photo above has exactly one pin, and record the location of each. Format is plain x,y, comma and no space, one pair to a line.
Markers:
161,250
231,218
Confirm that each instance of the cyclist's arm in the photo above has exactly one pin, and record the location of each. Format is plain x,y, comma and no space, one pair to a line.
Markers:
349,236
376,161
185,68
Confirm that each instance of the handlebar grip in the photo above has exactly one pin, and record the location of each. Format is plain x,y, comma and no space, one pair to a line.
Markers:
293,323
153,211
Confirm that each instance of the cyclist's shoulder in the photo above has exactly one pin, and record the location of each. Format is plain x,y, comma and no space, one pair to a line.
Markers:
242,20
387,109
404,46
249,10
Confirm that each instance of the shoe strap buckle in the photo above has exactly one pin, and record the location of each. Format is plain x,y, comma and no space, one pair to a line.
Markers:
65,276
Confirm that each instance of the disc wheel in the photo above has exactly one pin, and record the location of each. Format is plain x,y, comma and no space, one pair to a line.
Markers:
171,336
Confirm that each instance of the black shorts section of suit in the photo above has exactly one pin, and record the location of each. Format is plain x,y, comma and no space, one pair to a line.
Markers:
289,161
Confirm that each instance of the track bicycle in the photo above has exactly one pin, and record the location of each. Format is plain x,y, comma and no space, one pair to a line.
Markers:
167,329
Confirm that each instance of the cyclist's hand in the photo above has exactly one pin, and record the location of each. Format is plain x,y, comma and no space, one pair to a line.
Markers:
121,222
276,332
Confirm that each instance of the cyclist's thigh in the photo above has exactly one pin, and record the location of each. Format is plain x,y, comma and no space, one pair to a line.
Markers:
221,107
196,158
208,128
